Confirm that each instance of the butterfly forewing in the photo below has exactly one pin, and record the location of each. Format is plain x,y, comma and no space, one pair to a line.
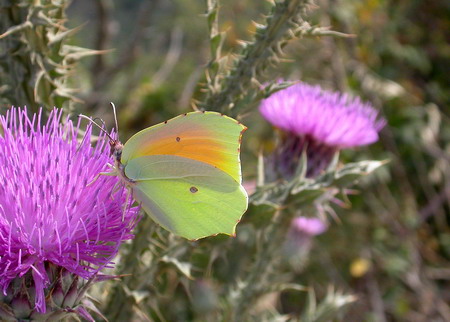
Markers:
207,137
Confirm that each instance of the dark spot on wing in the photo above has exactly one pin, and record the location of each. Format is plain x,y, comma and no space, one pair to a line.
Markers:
178,139
193,189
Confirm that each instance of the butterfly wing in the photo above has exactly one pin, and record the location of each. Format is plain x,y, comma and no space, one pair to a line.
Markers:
208,137
190,198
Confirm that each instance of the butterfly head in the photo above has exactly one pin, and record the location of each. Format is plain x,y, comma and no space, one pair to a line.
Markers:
116,149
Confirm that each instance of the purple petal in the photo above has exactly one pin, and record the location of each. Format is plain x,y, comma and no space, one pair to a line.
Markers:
331,118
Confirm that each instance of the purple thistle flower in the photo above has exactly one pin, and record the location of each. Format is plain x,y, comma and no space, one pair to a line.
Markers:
299,239
50,212
308,226
323,121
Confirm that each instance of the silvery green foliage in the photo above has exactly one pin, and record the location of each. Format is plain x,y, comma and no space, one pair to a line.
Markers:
331,306
36,59
301,194
305,190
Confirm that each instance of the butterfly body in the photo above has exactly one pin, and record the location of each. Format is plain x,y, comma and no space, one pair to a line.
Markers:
186,173
118,169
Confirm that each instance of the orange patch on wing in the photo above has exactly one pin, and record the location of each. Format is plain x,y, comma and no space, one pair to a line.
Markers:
204,140
186,145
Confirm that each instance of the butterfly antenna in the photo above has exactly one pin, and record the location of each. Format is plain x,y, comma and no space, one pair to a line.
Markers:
84,137
95,123
101,120
115,117
87,130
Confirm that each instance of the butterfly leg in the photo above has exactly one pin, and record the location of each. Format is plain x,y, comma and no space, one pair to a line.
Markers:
126,205
116,188
112,173
98,176
95,179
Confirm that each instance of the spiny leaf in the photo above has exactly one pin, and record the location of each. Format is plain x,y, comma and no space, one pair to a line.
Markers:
183,267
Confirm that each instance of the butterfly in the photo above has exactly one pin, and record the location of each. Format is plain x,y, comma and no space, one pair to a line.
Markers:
185,173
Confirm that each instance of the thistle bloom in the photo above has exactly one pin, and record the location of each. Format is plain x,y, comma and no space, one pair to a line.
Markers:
321,121
52,211
299,239
308,226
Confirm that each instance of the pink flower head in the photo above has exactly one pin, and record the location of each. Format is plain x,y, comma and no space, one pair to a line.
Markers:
51,209
321,121
308,226
299,239
332,118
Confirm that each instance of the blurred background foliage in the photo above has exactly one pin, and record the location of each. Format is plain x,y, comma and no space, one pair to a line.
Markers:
387,248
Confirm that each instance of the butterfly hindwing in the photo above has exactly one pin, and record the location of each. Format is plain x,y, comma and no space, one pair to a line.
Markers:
190,198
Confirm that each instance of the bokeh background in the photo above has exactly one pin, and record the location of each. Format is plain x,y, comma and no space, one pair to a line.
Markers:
389,242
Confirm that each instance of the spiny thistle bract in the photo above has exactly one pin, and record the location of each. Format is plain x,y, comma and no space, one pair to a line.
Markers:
56,222
322,122
38,62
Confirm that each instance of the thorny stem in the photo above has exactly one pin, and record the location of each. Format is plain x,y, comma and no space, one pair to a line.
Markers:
265,263
120,305
256,56
212,5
